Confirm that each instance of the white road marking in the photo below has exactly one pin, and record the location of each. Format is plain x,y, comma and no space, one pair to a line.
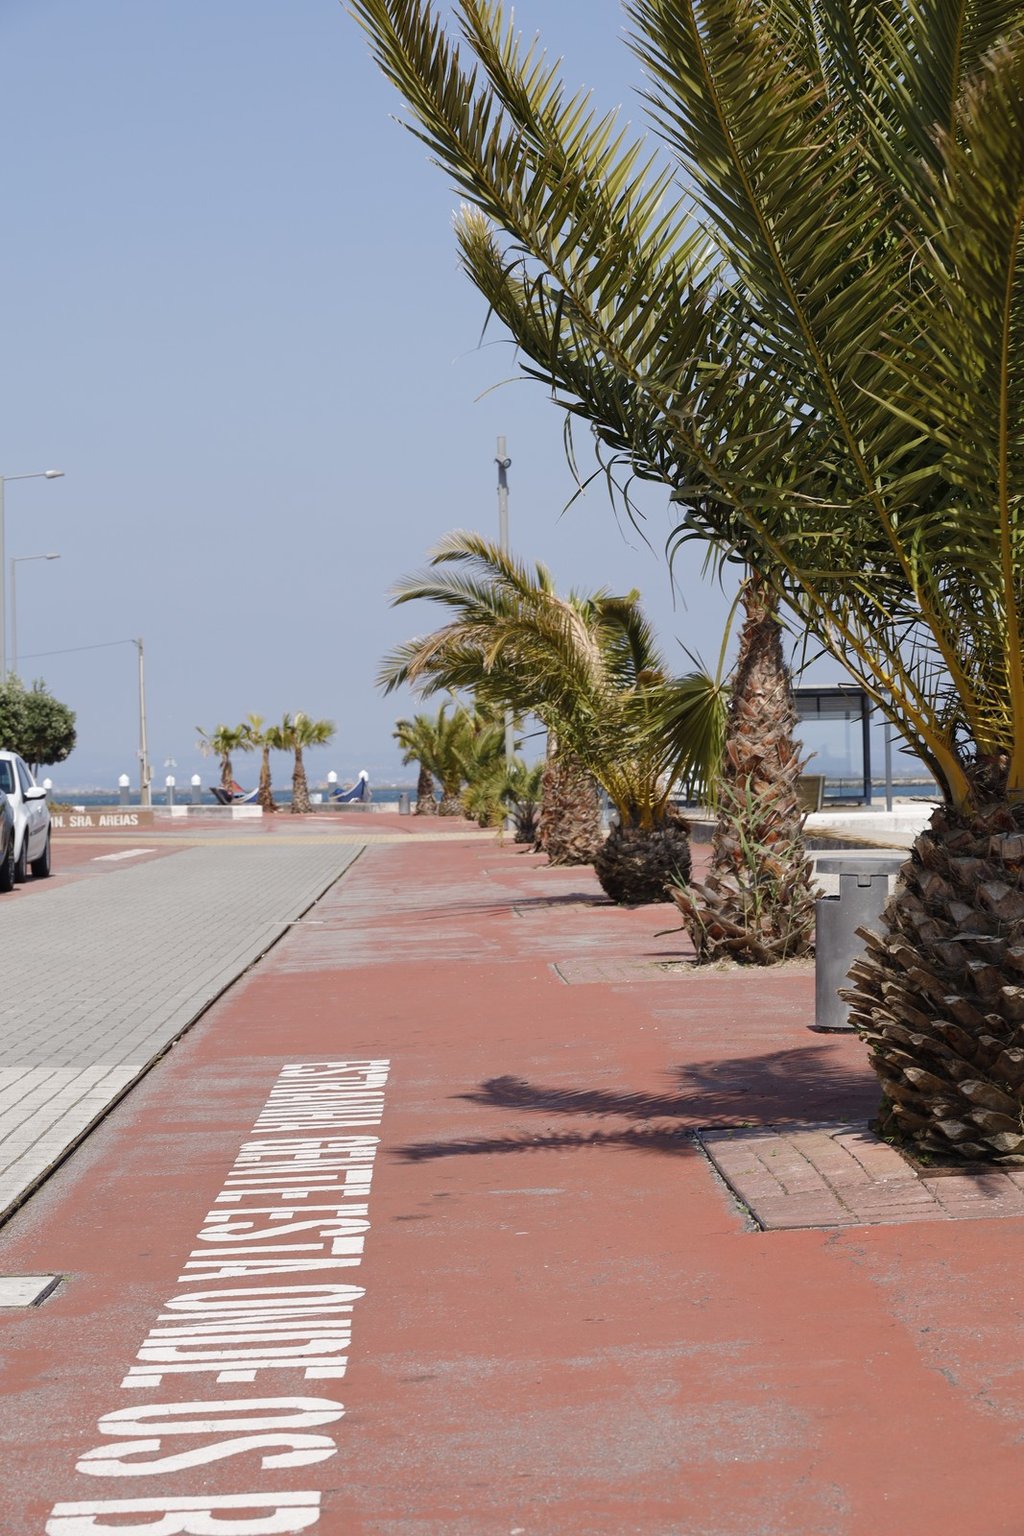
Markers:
129,853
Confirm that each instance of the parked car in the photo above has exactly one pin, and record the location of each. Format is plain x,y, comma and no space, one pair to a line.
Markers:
7,855
31,817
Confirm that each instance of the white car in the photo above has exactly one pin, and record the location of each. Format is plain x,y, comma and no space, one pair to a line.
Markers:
31,817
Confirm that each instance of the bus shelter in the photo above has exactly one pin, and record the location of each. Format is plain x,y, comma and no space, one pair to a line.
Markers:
842,714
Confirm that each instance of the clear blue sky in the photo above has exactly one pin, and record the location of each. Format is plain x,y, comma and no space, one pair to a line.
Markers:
232,314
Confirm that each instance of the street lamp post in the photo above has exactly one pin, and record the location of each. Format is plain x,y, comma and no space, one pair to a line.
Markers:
145,775
503,462
40,474
19,560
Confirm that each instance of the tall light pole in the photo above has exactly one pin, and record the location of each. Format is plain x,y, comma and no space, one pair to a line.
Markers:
503,463
145,774
39,474
19,560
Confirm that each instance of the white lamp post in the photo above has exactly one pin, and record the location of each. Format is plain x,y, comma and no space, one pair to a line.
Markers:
197,785
122,788
17,560
169,786
40,474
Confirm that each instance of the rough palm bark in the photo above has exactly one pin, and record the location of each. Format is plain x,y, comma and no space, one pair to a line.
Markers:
569,825
300,789
426,805
757,903
637,865
451,801
939,993
265,794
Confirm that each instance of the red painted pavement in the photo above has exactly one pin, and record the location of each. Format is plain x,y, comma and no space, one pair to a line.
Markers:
568,1325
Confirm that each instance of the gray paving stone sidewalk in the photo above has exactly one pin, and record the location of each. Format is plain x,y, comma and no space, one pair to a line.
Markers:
101,975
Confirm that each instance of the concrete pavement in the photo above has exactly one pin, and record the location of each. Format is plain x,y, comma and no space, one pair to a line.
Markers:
101,975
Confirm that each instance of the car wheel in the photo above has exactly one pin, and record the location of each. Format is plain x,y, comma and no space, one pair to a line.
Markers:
21,863
41,866
7,868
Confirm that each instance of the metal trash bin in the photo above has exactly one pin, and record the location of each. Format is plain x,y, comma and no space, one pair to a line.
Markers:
403,804
863,892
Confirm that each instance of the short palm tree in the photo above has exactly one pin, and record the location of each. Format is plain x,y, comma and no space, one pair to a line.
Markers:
295,734
454,753
221,742
590,669
520,792
262,738
483,768
820,349
418,740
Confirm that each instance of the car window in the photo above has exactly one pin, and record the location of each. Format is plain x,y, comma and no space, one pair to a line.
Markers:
6,776
27,781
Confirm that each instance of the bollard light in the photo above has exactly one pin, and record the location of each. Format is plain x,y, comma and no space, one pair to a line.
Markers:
196,783
124,781
169,781
47,785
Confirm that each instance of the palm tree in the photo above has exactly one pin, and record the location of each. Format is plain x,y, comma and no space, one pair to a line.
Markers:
590,669
294,734
757,902
262,739
418,739
454,747
520,792
221,742
569,821
820,350
483,768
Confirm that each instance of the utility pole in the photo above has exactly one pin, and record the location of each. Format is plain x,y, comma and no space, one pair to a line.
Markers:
503,463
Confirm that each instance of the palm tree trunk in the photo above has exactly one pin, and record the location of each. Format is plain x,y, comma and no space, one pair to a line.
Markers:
939,993
426,805
227,772
265,794
451,800
569,825
637,865
300,789
757,903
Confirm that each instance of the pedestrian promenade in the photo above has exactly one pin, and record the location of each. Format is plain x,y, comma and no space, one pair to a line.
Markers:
100,976
444,1221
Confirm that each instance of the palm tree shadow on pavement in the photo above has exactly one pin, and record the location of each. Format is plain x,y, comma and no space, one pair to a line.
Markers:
804,1085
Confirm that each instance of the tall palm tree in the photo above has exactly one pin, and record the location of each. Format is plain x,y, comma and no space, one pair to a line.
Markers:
294,734
590,669
821,350
221,742
757,901
262,738
418,740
